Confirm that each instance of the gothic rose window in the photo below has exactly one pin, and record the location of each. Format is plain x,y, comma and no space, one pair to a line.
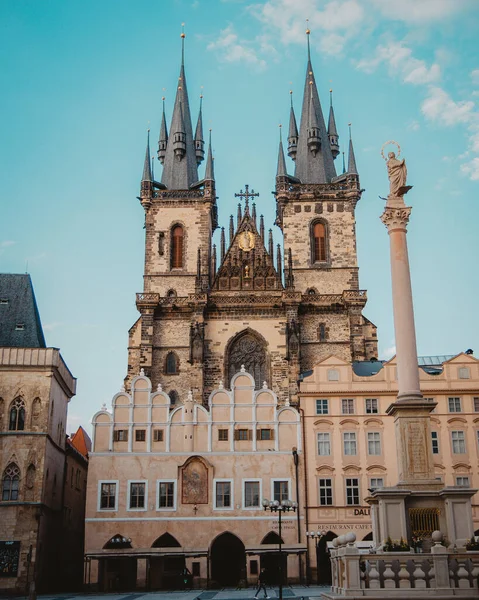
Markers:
10,483
319,242
17,415
177,247
250,352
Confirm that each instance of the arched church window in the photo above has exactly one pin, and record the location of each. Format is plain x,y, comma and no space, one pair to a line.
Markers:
171,364
10,483
319,242
249,351
177,247
17,415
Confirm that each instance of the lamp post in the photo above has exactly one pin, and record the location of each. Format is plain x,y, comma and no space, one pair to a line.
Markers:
280,508
316,536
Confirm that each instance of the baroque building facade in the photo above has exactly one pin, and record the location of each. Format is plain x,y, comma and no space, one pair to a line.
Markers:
215,357
38,517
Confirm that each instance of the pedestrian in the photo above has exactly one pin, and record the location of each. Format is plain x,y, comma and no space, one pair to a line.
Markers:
261,584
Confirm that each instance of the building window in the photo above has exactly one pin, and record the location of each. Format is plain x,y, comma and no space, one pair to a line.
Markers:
435,442
476,404
375,483
140,435
78,479
223,495
371,406
454,405
347,406
120,435
137,495
264,434
157,435
464,373
17,415
242,434
222,435
324,444
20,327
374,443
322,406
319,242
177,247
280,490
462,481
333,375
253,567
173,394
171,364
107,495
251,494
166,495
349,442
352,491
10,483
322,332
195,569
458,442
325,492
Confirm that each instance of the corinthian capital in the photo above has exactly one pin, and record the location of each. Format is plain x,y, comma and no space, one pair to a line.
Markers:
396,218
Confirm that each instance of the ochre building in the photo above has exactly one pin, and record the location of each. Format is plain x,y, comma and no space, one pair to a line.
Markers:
210,402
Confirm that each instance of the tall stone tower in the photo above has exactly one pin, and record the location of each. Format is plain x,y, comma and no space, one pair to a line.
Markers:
316,213
276,312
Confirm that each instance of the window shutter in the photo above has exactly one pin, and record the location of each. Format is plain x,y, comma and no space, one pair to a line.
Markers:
271,434
258,434
236,434
250,434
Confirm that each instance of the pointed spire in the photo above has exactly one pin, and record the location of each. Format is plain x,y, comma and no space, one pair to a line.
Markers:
253,213
199,141
278,261
261,228
146,165
351,158
152,168
232,229
314,160
270,243
239,217
281,168
163,140
198,270
180,168
210,170
332,131
290,277
293,131
213,259
344,164
222,244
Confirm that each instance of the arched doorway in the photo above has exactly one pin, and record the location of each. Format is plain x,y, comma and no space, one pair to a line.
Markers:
323,558
167,571
228,560
117,574
248,349
271,561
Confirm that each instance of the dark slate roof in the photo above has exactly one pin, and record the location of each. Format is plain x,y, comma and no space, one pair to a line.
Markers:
20,325
366,368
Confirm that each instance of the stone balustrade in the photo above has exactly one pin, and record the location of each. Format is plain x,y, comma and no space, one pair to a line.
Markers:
402,574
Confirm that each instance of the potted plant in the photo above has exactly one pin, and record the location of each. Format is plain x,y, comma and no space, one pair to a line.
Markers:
396,546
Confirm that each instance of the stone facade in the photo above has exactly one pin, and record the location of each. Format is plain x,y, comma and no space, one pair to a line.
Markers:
38,385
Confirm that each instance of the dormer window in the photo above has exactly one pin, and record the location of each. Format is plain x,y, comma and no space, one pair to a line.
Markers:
3,300
20,327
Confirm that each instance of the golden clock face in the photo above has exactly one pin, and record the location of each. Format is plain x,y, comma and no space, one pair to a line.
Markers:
246,241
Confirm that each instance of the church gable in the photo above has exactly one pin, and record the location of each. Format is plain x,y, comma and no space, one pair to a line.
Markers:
247,264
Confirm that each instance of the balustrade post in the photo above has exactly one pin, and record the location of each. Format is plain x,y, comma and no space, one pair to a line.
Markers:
441,567
374,583
403,575
389,577
463,575
419,575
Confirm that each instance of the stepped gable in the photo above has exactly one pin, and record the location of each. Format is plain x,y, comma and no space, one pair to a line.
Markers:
247,264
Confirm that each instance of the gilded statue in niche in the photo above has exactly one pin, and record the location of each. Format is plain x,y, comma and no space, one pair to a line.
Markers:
246,241
194,482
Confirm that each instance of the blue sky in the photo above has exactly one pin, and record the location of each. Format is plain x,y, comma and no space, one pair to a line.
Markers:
82,81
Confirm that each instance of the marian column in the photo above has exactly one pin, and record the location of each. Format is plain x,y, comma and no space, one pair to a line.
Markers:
411,411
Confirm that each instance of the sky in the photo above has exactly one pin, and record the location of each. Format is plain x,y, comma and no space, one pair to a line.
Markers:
82,81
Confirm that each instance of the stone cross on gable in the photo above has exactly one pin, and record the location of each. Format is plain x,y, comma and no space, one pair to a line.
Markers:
246,195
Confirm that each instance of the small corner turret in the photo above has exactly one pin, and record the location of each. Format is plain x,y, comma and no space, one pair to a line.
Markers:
332,131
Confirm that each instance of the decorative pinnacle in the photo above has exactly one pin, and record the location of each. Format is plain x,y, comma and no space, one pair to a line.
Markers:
308,32
349,125
331,97
183,35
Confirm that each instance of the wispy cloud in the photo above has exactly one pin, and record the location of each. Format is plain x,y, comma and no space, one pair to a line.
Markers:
400,61
6,243
51,326
230,48
420,12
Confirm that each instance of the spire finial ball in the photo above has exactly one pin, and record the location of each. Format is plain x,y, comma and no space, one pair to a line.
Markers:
308,31
183,35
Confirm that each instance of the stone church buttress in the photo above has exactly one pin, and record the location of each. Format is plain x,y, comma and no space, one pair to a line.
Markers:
206,312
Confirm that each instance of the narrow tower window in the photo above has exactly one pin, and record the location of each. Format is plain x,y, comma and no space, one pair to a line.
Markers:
177,247
17,415
319,242
10,483
171,364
